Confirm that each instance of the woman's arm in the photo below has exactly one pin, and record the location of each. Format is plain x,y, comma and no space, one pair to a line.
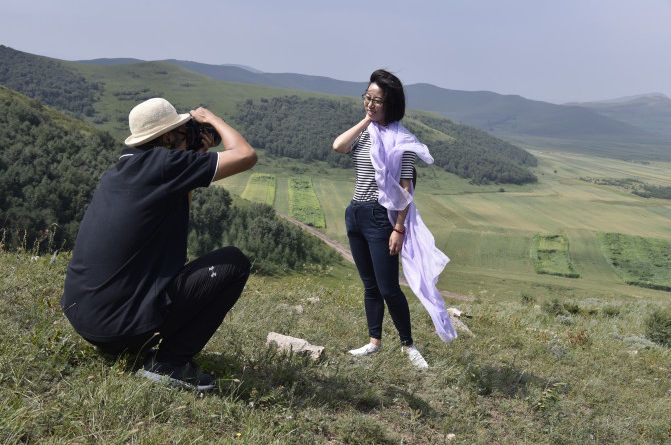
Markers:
396,238
343,143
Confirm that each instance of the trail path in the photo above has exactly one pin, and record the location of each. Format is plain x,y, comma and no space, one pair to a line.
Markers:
345,253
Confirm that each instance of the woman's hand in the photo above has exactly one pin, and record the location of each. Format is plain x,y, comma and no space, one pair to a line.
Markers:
395,243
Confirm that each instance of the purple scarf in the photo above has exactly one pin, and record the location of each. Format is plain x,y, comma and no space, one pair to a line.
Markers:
422,261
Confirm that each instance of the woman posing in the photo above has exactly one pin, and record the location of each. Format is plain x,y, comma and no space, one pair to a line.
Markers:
384,152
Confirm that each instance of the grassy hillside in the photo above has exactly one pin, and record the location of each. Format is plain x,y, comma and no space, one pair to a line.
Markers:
534,372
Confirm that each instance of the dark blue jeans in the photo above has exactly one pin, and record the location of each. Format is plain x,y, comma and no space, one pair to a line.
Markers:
368,230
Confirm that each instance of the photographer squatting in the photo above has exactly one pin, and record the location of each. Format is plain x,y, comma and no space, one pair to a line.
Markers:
128,286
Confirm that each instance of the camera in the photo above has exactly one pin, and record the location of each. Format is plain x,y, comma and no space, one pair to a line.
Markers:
194,135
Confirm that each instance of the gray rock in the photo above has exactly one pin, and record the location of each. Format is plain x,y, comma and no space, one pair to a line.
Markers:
297,345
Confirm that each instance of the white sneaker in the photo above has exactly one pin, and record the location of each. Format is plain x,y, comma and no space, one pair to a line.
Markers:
415,357
368,349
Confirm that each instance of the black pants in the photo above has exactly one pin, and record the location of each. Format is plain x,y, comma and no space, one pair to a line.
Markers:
200,296
368,231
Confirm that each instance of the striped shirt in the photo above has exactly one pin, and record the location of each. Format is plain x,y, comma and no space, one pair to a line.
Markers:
365,187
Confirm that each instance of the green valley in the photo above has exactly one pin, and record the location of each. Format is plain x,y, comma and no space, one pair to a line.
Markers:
549,359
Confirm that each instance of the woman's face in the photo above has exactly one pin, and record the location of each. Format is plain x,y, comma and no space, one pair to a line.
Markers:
373,103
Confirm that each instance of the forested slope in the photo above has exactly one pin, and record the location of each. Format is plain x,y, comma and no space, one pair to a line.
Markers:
48,81
49,165
304,128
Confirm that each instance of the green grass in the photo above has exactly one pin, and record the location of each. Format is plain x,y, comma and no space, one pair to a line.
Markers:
260,188
638,260
303,202
528,376
550,255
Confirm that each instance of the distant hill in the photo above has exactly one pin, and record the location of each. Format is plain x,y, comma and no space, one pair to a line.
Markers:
47,80
301,82
106,61
651,112
489,111
534,123
512,114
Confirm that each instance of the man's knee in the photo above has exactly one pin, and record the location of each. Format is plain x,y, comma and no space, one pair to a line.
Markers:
235,257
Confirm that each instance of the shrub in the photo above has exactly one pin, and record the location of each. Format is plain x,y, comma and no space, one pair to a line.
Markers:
611,311
527,299
553,307
572,308
658,326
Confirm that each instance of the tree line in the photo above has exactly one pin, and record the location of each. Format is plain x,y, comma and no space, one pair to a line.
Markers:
304,128
273,245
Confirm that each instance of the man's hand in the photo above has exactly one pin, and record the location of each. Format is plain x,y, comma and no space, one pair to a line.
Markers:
203,115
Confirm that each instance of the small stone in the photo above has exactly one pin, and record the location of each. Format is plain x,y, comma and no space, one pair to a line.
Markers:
451,436
297,345
459,325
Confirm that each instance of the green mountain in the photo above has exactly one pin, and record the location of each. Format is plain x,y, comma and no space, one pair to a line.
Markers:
121,86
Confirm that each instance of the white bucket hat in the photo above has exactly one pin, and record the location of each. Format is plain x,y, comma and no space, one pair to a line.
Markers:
152,118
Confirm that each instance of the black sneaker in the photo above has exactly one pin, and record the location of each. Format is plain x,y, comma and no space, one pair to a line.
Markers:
186,376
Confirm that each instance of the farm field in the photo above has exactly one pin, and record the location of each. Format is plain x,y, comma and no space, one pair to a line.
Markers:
260,188
550,255
641,261
487,232
303,202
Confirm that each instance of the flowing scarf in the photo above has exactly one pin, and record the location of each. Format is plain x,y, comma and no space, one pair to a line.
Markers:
422,261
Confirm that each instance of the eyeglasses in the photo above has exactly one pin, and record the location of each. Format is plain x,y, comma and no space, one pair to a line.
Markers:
368,99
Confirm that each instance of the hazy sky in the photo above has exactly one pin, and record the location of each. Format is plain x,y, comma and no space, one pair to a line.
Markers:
553,50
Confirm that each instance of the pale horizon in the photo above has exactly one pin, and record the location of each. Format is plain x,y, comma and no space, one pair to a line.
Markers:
573,51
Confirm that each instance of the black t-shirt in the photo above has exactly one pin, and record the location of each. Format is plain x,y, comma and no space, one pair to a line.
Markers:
132,242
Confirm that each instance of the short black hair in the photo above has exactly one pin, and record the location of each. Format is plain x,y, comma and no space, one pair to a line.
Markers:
394,97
